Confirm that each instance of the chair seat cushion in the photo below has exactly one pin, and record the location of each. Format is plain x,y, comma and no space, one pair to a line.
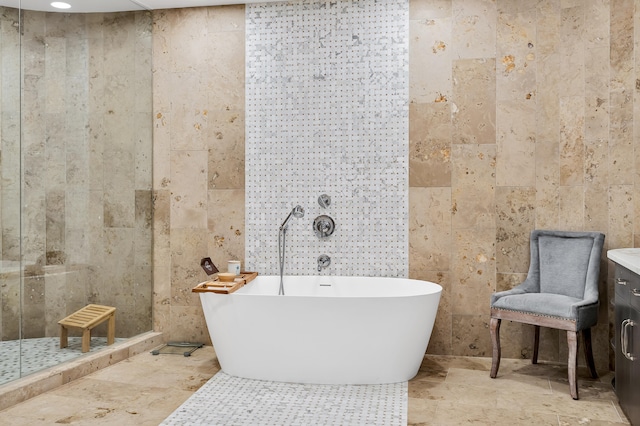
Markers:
555,305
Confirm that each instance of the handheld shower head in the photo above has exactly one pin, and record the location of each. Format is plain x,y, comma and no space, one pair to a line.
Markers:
296,212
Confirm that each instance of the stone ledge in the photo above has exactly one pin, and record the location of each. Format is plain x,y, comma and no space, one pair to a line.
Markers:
43,381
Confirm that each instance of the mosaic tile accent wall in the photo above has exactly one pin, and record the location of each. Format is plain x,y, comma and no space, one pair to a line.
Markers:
327,112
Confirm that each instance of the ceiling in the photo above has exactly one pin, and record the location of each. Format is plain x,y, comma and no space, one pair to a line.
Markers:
88,6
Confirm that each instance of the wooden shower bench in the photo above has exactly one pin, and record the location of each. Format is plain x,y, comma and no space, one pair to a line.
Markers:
85,319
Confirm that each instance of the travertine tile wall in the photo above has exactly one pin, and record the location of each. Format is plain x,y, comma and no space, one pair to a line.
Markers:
198,158
521,116
83,164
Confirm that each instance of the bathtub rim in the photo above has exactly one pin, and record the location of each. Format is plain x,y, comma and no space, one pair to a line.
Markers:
245,290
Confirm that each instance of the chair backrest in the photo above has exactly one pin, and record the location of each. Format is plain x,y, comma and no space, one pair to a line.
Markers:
566,263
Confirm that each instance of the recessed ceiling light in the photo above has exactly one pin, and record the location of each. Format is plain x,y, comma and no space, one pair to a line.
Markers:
60,5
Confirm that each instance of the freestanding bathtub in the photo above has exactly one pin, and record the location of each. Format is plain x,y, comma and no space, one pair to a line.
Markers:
325,330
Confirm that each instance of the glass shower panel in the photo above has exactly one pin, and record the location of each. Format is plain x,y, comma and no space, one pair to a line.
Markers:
10,186
83,164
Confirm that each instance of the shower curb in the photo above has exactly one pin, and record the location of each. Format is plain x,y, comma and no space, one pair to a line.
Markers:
35,384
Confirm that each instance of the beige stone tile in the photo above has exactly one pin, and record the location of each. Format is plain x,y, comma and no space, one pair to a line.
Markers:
461,393
505,383
189,189
557,402
621,158
226,239
226,18
571,48
112,404
572,140
595,216
547,184
473,276
516,55
516,140
188,246
101,360
119,208
189,113
420,411
571,421
161,149
596,171
429,9
14,393
622,83
432,369
507,281
571,217
620,215
143,159
167,371
451,413
474,98
588,389
514,6
161,259
460,362
515,209
597,108
429,229
430,54
474,28
186,40
188,324
226,144
225,63
430,144
548,83
470,335
473,186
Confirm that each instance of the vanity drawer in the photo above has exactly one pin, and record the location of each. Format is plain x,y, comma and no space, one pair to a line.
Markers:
627,287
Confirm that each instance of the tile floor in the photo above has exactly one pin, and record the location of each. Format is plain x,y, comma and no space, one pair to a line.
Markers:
229,400
145,389
40,353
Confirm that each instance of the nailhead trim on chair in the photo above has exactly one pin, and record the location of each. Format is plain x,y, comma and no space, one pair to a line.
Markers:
535,314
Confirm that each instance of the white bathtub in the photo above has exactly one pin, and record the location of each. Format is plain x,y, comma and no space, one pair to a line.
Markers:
325,330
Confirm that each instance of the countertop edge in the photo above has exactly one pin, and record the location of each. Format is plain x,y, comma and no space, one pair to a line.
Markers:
627,257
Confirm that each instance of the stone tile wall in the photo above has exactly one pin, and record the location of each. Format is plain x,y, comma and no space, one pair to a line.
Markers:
198,157
521,116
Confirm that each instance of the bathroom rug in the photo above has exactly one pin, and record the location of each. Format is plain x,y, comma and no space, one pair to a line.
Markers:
229,400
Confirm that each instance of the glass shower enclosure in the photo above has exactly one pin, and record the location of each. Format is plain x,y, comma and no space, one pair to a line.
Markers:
75,179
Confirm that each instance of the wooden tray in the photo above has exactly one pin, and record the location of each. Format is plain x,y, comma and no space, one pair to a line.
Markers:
221,287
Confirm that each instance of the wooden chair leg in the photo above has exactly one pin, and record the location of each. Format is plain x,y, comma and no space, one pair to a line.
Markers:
495,340
536,343
588,352
572,342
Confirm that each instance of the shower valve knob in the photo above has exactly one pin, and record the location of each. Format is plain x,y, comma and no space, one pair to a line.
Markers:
323,226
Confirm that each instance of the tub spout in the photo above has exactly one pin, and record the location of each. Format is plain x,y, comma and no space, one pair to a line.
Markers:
323,262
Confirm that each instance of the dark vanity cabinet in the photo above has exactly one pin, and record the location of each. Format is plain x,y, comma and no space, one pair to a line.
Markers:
627,342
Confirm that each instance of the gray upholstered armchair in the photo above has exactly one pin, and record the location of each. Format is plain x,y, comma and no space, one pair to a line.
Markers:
560,291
